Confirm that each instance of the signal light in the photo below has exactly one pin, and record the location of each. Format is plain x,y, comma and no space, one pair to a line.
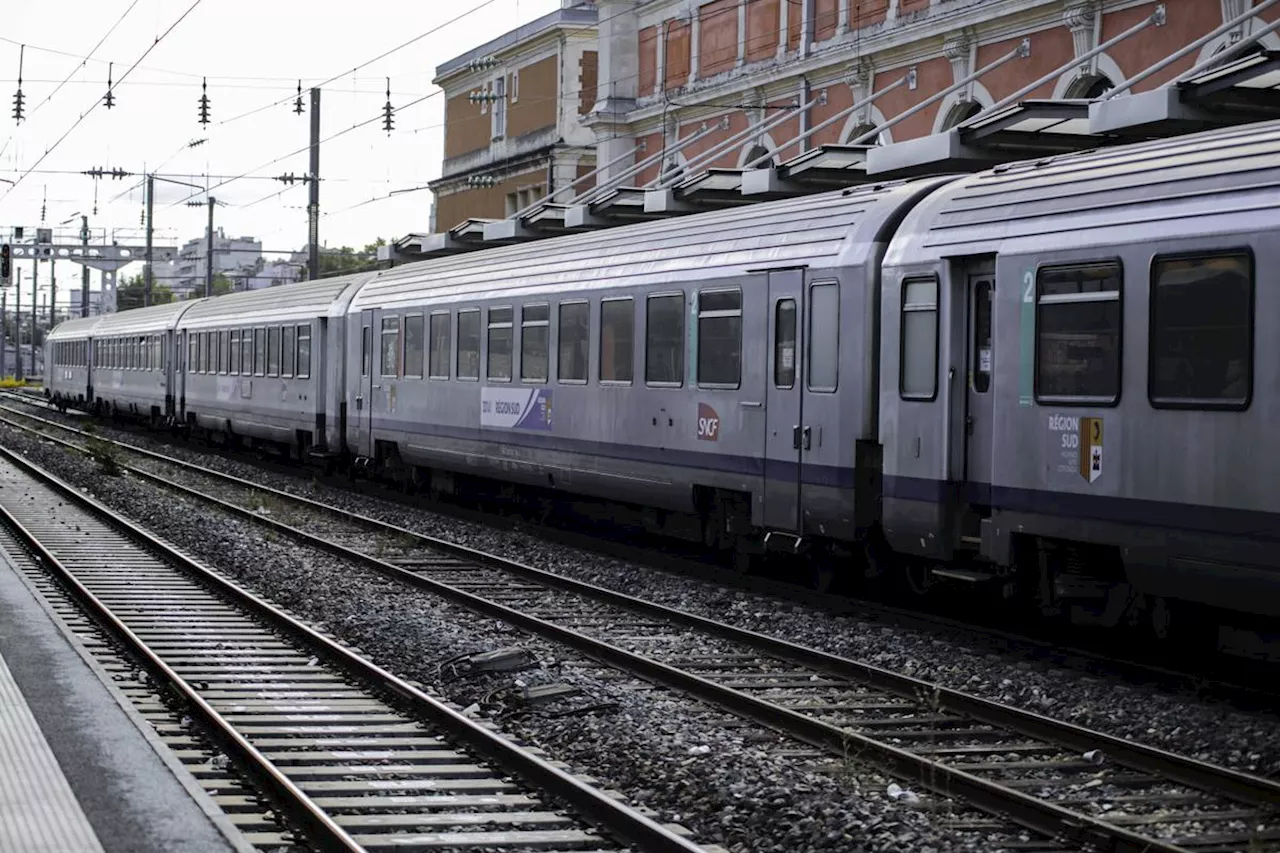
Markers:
6,263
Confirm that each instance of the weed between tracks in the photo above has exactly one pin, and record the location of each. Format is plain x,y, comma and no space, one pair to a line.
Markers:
104,453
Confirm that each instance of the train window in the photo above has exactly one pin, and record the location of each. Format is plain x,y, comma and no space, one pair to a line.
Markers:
574,342
246,352
1201,332
822,372
208,356
224,352
469,344
664,340
784,343
719,338
304,352
981,365
535,342
499,343
440,346
193,353
273,350
259,352
288,351
918,353
233,356
366,349
1078,334
617,340
414,346
389,346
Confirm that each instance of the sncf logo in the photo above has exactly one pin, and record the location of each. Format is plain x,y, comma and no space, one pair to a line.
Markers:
708,423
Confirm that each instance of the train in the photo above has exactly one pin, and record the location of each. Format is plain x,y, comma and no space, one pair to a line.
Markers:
1045,378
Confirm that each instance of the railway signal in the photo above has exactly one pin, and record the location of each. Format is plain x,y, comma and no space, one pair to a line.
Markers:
6,264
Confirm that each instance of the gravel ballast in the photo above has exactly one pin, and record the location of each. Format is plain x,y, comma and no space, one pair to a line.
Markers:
729,784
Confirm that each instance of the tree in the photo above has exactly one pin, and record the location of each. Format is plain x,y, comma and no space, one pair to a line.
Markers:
346,260
131,292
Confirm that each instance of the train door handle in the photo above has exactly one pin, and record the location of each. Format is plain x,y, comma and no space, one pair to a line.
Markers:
807,437
359,402
795,437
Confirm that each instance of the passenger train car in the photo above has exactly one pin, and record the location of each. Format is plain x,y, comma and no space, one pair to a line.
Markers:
1046,374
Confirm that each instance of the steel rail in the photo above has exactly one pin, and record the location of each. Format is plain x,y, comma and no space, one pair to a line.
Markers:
1033,812
592,803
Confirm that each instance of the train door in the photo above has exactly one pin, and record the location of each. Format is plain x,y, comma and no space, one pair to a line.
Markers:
978,281
821,440
783,403
179,355
364,391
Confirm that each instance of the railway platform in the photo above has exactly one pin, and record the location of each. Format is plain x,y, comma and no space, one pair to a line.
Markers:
78,772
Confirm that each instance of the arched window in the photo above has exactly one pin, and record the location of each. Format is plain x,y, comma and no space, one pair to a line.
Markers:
962,111
862,130
757,151
1089,87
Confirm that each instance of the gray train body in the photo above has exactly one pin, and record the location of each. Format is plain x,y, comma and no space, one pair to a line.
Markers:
1050,370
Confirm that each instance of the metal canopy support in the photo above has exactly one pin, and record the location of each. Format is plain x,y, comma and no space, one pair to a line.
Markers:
1126,85
762,126
639,146
595,192
1157,18
1201,67
1239,92
906,78
1023,50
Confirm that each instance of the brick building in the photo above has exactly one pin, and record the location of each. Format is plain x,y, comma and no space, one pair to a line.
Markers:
740,81
513,111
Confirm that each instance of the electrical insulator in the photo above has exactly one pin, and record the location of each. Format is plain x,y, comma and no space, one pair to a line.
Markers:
110,99
17,106
204,101
387,121
297,104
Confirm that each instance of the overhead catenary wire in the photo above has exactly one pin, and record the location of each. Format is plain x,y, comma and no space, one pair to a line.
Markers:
98,101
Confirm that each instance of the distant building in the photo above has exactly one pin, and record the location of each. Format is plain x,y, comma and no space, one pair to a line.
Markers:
513,110
233,257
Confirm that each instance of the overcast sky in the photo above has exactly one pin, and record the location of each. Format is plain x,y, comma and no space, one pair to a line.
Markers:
252,53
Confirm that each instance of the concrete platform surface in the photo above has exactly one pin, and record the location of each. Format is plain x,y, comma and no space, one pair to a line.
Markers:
77,771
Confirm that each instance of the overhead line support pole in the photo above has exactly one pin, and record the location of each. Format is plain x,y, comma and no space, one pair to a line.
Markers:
148,272
313,204
208,266
84,267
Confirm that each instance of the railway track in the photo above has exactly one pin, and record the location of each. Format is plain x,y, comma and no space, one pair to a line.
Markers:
1076,787
354,758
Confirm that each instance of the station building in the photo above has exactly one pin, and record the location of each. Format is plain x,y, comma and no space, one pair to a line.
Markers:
636,93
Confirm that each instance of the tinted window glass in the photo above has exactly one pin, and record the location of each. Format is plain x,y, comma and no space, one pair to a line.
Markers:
469,344
784,343
720,338
617,341
573,342
535,339
440,346
918,378
824,337
389,348
499,342
304,352
1078,333
664,339
414,345
1202,331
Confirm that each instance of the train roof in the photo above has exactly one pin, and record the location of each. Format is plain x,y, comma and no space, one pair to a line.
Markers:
284,303
142,321
76,329
818,231
1220,181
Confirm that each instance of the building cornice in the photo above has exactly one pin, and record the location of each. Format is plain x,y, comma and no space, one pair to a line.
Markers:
579,17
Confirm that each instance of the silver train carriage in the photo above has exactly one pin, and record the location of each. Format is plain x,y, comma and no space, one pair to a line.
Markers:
1050,368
